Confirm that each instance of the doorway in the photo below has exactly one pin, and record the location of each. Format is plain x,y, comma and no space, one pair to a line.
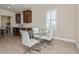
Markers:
6,23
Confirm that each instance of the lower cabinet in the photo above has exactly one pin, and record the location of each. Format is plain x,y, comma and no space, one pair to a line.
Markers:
16,30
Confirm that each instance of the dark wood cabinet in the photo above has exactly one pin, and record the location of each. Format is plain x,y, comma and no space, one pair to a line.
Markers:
27,16
16,30
18,18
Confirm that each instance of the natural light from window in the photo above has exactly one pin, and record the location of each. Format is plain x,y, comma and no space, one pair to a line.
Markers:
51,20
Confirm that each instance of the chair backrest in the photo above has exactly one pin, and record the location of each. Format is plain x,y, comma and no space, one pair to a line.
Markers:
35,30
25,37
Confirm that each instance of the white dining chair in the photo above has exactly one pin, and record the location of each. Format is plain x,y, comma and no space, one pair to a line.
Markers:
48,36
35,32
26,39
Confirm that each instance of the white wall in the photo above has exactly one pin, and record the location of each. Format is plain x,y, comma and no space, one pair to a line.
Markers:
65,20
77,23
38,17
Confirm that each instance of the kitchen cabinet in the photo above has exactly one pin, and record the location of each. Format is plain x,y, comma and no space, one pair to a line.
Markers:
16,30
27,16
18,18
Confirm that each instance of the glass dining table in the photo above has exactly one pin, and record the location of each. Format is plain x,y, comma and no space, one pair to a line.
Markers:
31,34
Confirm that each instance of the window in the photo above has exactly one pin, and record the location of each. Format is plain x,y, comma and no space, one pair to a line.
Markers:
51,20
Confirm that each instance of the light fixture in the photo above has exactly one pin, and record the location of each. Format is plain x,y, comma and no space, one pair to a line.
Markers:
8,7
13,4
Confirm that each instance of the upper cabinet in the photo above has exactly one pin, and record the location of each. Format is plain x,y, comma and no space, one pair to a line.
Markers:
18,18
27,16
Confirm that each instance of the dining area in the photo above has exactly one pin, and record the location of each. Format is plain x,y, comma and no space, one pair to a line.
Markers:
35,44
27,42
40,42
34,37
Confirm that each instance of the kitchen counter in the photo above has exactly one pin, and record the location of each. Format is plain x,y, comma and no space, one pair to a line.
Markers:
16,30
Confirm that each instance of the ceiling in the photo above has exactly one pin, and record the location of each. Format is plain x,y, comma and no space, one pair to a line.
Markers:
21,7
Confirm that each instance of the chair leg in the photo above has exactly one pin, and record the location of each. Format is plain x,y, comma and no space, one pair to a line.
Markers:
37,47
37,50
32,48
27,51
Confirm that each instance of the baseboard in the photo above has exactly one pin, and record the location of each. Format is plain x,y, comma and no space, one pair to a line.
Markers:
63,39
68,40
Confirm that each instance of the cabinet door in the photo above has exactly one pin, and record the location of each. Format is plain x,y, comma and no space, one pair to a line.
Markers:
16,31
30,16
27,16
18,18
